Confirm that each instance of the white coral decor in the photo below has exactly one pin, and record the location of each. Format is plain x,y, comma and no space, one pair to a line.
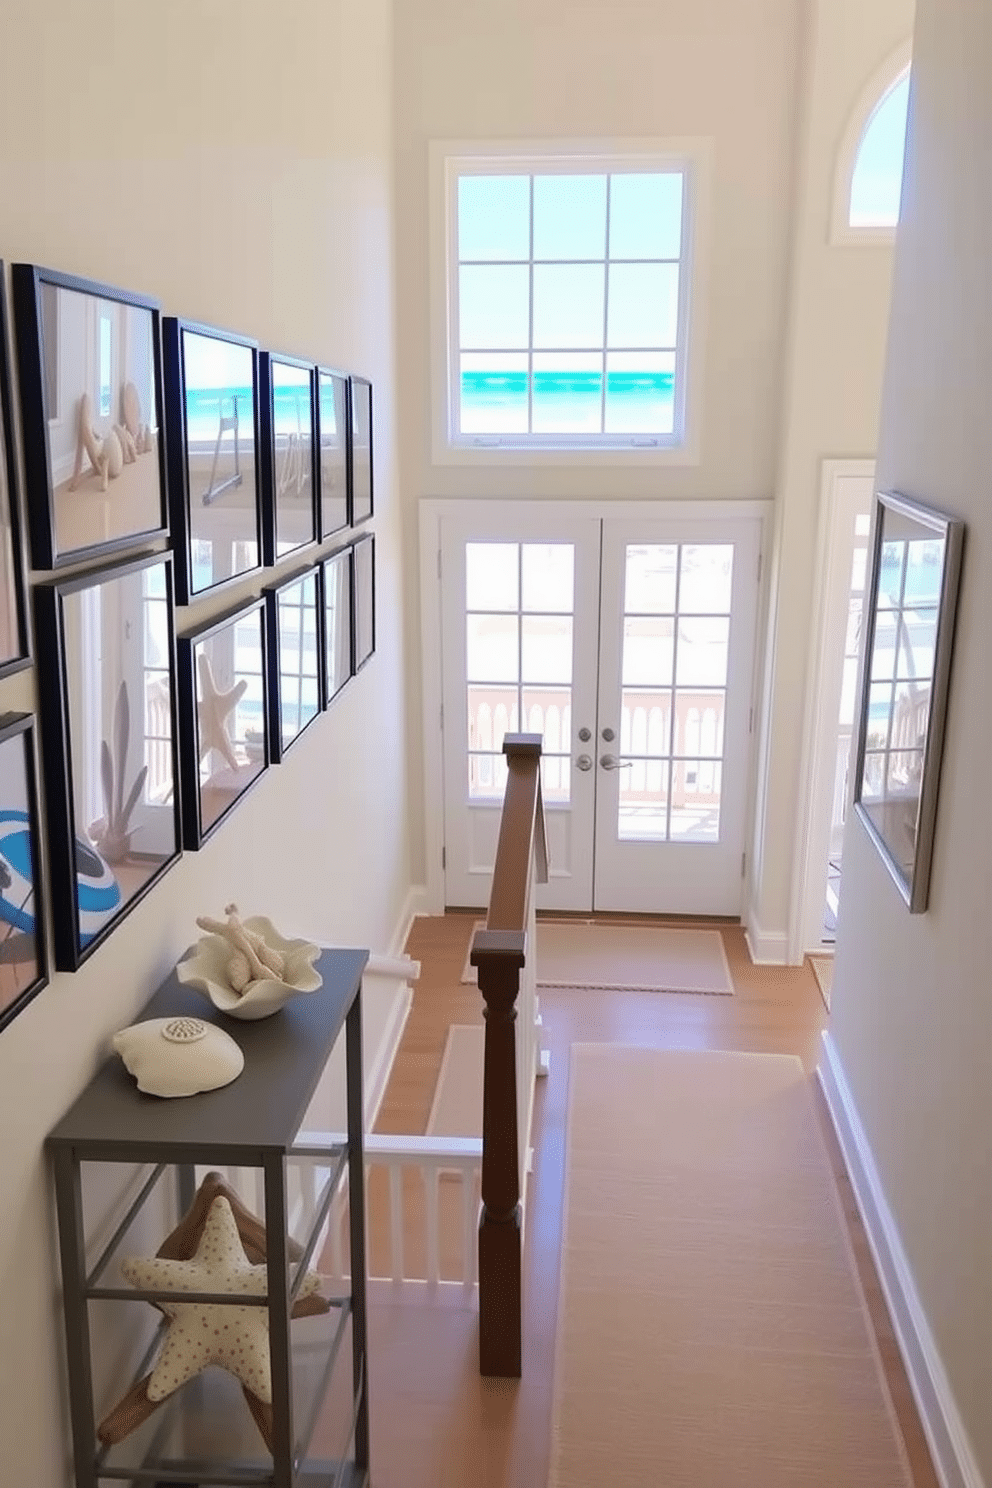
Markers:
220,961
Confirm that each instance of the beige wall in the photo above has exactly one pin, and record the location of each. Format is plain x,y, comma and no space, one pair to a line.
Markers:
236,164
838,320
913,1016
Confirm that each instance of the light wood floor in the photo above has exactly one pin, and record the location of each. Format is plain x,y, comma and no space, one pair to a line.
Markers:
435,1422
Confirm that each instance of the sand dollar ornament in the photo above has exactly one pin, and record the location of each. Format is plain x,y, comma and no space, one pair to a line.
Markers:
179,1056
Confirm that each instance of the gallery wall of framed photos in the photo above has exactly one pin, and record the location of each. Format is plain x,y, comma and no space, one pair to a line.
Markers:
162,460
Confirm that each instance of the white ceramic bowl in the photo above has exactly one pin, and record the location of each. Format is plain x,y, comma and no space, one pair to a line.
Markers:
206,969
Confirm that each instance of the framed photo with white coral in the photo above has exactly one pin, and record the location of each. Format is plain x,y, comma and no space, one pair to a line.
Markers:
90,363
224,716
109,744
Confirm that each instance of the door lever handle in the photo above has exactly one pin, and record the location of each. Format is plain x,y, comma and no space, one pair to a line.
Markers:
610,762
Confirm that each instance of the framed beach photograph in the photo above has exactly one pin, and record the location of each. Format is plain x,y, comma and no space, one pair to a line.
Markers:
223,693
89,358
289,441
23,967
364,590
109,742
14,650
213,425
332,425
910,603
295,650
360,428
336,598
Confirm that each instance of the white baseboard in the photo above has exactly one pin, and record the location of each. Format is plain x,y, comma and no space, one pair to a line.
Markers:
416,903
766,947
950,1447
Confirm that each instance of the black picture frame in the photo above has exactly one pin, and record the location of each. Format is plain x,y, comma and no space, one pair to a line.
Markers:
295,656
337,608
363,589
222,762
360,483
15,650
334,445
915,552
23,951
106,639
214,445
288,422
90,371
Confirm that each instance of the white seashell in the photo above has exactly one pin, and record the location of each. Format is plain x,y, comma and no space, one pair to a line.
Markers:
208,969
178,1056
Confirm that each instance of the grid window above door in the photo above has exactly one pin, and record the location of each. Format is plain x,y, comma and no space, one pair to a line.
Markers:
568,297
518,653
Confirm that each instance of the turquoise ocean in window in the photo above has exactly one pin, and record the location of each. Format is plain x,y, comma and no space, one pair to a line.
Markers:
636,402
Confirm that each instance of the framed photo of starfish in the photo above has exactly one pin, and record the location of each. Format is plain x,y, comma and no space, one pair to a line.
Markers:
212,415
360,444
336,602
13,629
294,653
107,685
224,716
90,363
23,964
332,424
289,442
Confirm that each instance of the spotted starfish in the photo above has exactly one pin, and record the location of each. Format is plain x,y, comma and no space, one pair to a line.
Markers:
201,1333
215,707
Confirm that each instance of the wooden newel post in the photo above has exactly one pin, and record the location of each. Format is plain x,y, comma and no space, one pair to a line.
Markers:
499,957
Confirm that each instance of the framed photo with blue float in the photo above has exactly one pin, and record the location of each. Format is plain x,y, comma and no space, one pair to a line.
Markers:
14,649
332,424
224,716
90,364
23,964
289,441
109,744
363,555
911,598
295,653
212,421
360,443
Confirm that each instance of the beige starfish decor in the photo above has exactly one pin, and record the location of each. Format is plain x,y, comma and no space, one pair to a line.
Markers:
214,709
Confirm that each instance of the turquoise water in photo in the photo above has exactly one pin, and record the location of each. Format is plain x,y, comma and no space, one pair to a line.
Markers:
568,402
206,406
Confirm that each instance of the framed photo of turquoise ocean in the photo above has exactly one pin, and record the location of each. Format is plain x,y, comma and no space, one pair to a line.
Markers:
224,716
14,649
213,425
109,734
363,558
90,364
289,441
332,423
295,655
360,445
23,964
336,587
911,597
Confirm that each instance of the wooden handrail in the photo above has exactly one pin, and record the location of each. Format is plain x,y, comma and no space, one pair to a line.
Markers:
499,952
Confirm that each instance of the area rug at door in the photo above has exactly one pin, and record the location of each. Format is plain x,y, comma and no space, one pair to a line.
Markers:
629,958
711,1324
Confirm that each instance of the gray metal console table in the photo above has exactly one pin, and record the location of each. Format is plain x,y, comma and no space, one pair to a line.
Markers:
196,1435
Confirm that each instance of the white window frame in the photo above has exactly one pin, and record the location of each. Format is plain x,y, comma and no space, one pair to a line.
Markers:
872,96
448,158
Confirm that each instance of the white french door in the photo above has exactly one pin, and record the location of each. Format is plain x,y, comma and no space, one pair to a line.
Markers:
628,643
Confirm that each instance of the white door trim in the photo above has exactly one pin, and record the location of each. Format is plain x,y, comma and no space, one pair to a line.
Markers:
815,722
430,512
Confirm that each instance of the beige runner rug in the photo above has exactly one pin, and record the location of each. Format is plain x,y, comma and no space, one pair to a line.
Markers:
823,970
711,1325
636,958
456,1110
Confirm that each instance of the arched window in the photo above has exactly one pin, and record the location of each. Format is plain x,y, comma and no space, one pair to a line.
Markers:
876,182
868,181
